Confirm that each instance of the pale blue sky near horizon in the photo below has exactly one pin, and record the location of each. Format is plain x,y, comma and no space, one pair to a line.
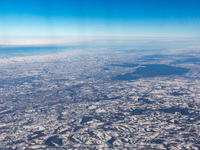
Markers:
148,18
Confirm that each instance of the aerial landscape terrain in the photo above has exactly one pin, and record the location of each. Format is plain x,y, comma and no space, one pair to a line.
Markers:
101,100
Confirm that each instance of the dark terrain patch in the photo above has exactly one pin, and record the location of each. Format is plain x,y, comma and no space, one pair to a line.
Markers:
106,68
86,119
52,141
177,94
157,141
127,65
172,110
137,112
145,100
111,140
152,70
71,138
36,135
77,128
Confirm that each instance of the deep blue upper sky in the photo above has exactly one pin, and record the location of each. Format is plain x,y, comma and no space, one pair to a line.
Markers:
160,18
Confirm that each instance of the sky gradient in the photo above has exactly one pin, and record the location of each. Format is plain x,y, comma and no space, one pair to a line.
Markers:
153,18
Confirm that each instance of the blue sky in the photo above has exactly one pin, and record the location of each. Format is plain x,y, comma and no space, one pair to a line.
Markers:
153,18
